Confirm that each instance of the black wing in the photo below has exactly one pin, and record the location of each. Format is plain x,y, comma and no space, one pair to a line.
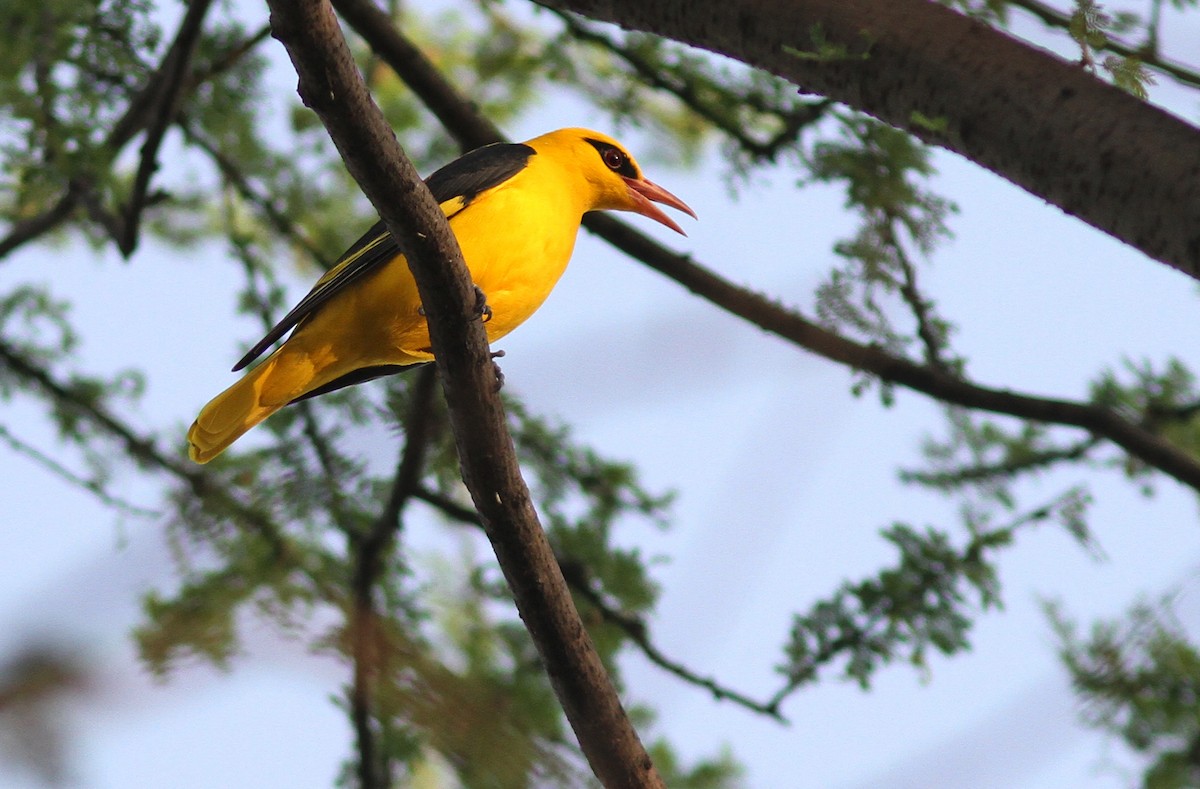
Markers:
464,178
479,170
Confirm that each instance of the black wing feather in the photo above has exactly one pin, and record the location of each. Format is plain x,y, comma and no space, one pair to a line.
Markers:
465,177
479,170
362,375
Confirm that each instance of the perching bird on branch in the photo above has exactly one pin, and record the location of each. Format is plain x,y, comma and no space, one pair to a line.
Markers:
515,209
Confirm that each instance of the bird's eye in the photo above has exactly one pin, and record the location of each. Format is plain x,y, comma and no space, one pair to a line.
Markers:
614,158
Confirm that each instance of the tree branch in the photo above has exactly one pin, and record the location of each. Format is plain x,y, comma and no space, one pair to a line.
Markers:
91,485
143,450
458,115
633,626
471,128
1002,469
233,174
331,85
792,326
1148,53
369,552
1086,146
169,90
709,102
139,113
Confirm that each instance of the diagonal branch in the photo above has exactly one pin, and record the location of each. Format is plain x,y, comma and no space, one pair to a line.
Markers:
470,127
332,86
1148,54
633,626
792,326
168,94
1123,166
143,449
34,227
716,109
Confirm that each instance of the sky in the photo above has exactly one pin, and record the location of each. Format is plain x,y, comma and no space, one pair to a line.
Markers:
784,482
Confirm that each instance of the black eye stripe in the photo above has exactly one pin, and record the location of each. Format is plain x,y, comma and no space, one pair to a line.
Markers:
615,159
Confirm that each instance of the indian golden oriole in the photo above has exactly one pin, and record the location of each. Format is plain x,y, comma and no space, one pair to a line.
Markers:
515,209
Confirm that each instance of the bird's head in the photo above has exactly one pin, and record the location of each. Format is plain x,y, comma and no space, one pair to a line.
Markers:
612,176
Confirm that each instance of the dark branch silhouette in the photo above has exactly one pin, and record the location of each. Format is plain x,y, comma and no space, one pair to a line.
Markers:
332,86
472,129
1045,124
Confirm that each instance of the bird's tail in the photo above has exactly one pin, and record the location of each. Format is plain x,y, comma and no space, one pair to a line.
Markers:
260,393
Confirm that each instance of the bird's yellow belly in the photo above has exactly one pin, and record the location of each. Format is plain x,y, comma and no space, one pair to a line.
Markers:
515,264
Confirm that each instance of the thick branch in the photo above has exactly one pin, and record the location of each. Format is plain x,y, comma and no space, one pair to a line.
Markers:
471,128
1117,163
331,85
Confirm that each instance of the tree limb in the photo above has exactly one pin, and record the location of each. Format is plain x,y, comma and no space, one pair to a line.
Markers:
169,91
1121,165
332,86
633,626
792,326
471,128
1148,53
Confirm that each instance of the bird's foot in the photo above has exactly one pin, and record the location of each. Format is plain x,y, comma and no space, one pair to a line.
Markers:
481,305
497,371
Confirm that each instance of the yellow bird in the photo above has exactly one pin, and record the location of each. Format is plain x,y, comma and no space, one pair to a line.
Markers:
515,209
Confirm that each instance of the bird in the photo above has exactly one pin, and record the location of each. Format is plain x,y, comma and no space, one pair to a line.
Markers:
515,209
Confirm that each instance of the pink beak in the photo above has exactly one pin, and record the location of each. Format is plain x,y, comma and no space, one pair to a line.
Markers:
641,192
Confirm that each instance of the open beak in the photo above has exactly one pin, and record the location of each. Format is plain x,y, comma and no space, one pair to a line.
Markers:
641,192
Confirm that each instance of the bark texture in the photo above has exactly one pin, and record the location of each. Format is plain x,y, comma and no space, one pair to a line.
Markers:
331,85
1116,162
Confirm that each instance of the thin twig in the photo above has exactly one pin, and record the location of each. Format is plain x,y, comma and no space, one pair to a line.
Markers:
143,449
791,122
633,626
170,89
932,340
92,486
1147,54
984,472
232,173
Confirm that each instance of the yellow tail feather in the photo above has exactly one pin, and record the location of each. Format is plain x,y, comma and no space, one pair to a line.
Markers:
260,393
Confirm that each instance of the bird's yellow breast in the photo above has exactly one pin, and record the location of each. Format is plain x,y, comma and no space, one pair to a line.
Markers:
516,239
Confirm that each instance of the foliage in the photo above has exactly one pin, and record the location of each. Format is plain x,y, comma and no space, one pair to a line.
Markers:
296,530
1138,678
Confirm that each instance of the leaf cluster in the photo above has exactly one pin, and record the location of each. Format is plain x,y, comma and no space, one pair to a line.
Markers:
1139,679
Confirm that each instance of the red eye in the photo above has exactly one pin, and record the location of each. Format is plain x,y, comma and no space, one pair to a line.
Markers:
614,159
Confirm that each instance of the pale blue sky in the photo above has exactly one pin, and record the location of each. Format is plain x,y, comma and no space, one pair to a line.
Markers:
784,481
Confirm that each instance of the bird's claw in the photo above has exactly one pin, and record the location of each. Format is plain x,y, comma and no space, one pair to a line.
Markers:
481,305
497,371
